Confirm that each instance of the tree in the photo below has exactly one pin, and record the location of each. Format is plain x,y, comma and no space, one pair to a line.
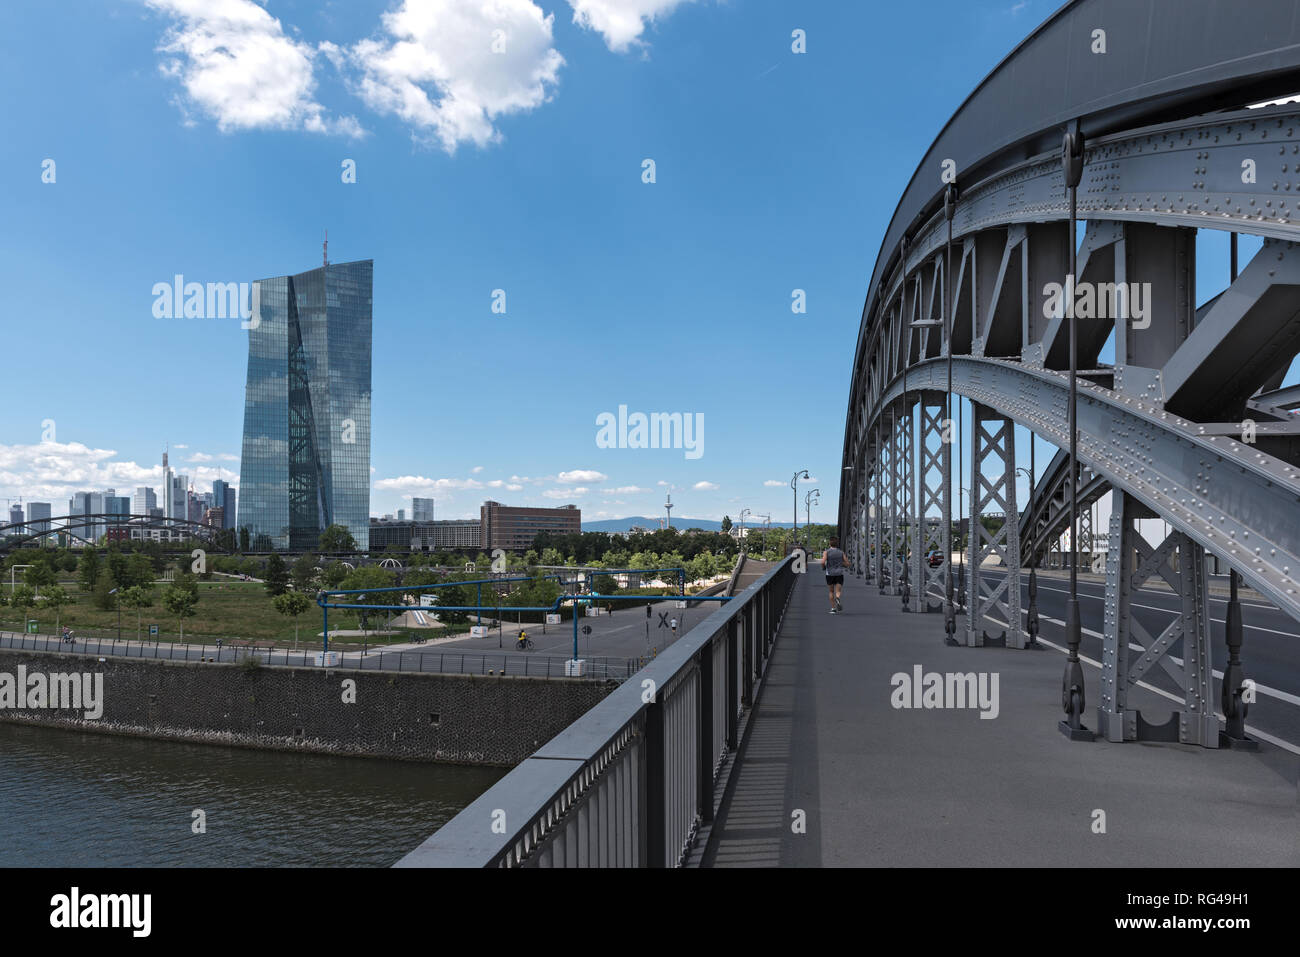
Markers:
139,571
88,568
180,602
138,597
277,575
23,598
55,597
337,538
103,598
334,573
726,524
293,604
40,574
368,576
243,539
303,573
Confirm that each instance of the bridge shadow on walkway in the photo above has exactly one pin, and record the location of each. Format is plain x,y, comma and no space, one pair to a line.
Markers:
885,786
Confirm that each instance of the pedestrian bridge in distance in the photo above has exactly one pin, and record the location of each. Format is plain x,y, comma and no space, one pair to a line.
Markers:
775,733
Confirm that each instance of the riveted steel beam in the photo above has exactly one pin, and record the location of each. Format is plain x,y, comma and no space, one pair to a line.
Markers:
1230,498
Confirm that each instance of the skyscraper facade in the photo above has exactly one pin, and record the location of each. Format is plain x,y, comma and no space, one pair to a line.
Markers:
421,509
145,499
306,451
37,511
223,497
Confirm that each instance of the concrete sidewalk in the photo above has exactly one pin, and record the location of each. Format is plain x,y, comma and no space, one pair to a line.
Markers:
890,786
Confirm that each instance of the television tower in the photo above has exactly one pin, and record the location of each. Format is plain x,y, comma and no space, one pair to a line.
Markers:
668,507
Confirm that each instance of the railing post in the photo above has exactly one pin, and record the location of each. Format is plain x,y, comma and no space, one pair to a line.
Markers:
704,743
733,696
654,785
746,655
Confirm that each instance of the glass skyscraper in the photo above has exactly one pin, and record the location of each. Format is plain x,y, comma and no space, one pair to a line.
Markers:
306,453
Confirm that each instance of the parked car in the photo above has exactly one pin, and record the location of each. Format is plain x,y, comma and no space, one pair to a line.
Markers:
935,558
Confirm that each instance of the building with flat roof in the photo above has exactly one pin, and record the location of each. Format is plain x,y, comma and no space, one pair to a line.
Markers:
456,535
306,449
514,528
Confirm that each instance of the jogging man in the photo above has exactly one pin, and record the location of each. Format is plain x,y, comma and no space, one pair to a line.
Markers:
833,565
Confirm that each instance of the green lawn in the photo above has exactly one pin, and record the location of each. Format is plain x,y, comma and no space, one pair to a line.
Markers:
230,610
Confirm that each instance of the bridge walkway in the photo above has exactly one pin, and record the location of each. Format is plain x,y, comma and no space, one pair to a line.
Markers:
880,785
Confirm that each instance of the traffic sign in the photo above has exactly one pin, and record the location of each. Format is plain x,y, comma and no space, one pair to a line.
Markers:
153,631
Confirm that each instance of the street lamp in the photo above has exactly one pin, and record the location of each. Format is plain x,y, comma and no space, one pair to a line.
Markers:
1032,623
119,614
808,504
794,487
743,513
1072,687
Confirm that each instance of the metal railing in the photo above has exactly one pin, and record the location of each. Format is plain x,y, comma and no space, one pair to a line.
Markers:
433,662
631,782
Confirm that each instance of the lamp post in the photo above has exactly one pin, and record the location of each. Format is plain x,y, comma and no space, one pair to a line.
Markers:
743,513
1032,624
808,503
961,555
113,591
794,487
1072,687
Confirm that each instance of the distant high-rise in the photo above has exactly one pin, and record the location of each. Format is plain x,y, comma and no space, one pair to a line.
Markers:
306,450
145,499
223,497
421,509
15,514
36,511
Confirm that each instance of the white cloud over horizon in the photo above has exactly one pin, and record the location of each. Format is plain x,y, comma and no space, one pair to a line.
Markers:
450,68
236,65
621,22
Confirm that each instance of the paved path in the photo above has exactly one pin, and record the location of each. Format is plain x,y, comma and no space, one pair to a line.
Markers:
918,787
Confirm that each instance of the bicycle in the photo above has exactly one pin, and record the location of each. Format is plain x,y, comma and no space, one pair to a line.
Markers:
523,643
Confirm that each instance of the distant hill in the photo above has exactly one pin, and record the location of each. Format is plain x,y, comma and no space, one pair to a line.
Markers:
679,522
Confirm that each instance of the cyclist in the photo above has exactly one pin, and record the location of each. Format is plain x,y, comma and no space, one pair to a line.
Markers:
523,641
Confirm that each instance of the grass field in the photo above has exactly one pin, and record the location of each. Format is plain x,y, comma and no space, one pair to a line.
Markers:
229,610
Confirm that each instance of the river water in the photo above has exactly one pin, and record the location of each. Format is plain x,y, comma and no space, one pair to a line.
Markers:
70,799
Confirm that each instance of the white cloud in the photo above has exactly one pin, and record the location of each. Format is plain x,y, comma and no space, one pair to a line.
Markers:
626,490
565,493
53,471
775,483
476,469
620,22
409,484
581,475
704,487
235,64
514,488
205,457
437,69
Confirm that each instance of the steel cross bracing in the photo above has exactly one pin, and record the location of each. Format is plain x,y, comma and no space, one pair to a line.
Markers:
889,508
993,581
1131,562
1228,497
934,447
904,500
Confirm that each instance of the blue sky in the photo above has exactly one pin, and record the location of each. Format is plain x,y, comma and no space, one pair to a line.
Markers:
207,139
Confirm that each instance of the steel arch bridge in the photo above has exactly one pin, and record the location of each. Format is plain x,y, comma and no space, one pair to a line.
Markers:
1142,107
17,534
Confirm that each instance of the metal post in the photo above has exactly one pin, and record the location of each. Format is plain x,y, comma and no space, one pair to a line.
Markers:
1072,685
1234,707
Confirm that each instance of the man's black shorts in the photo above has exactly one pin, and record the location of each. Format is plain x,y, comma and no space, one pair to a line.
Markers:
834,579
